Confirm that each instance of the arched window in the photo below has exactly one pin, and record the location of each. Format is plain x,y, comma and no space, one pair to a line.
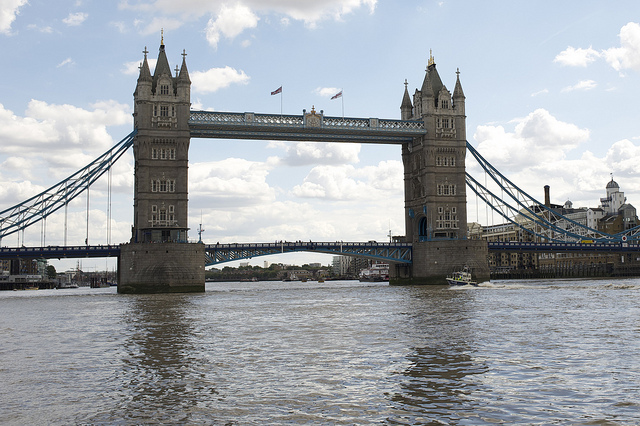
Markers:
422,227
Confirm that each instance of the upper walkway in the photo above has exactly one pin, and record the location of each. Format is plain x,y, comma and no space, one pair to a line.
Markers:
306,127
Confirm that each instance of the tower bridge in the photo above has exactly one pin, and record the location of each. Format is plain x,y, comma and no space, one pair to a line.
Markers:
431,131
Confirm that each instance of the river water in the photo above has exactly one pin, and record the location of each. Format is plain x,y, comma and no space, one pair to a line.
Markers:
342,352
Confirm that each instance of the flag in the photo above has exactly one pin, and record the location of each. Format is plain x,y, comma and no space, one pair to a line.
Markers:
337,95
278,90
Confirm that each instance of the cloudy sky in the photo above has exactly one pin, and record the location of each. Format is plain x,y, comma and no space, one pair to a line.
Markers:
551,93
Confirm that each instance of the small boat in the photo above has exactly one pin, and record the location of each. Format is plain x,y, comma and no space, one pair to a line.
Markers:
461,278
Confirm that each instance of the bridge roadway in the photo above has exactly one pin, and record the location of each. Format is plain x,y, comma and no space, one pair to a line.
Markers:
555,247
390,252
59,252
221,253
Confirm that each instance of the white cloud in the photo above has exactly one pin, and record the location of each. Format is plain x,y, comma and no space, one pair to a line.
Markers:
312,12
216,78
65,129
121,26
577,57
581,85
381,182
230,183
628,54
231,21
45,30
540,92
305,153
535,139
65,62
9,9
326,92
75,19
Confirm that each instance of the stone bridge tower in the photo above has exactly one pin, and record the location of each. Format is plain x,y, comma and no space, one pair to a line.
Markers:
159,257
435,185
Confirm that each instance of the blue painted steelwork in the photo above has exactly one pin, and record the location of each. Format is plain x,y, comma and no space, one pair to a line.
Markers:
545,219
391,252
42,205
60,252
556,247
248,125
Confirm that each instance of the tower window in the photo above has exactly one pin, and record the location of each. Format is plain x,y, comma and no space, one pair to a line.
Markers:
164,111
164,89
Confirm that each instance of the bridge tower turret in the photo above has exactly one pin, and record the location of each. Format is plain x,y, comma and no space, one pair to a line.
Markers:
161,153
435,183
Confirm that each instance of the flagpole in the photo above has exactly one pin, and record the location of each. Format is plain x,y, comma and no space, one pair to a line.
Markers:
342,100
281,101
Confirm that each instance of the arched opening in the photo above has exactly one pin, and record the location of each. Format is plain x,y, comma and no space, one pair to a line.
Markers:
422,228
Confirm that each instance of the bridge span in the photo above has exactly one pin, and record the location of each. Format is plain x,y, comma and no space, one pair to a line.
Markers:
395,252
220,253
389,252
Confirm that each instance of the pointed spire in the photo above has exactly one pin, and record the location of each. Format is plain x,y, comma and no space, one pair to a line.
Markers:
406,107
145,72
162,67
457,91
184,73
427,88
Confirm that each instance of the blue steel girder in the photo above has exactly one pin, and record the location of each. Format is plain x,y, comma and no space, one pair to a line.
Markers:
390,252
553,247
42,205
248,125
60,252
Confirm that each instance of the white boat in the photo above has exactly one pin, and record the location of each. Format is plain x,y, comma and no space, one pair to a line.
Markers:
461,278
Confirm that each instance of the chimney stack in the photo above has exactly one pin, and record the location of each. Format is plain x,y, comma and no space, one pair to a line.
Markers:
547,198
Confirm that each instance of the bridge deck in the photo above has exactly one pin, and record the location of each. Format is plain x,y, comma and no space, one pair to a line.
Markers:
60,252
555,247
249,125
390,252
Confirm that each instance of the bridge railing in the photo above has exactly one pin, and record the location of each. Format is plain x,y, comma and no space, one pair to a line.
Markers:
253,119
